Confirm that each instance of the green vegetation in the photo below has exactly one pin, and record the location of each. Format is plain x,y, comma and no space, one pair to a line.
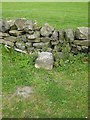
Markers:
60,15
61,92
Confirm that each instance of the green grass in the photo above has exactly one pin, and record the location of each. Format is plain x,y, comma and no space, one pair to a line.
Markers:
60,15
59,93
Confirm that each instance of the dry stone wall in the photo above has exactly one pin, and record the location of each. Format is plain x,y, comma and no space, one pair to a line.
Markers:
28,37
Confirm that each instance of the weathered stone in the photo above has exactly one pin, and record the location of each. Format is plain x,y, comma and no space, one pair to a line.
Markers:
82,42
9,43
37,40
31,37
20,22
2,35
45,60
36,26
55,36
47,30
69,35
1,41
61,35
79,48
12,24
34,41
15,33
11,39
28,26
30,32
45,39
23,38
40,45
4,26
24,91
34,36
19,50
85,48
20,45
82,33
28,44
37,34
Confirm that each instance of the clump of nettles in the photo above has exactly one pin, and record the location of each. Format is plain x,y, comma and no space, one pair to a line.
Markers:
33,57
64,56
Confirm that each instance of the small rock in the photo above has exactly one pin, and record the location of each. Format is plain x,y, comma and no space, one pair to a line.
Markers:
24,91
19,50
85,49
2,35
82,33
28,44
45,39
45,60
5,42
36,26
30,32
82,42
47,30
11,39
12,24
15,33
31,37
24,39
28,26
61,35
37,34
1,41
20,23
4,26
55,36
40,45
79,48
69,35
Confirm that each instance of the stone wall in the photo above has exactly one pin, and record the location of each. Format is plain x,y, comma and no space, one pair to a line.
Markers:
28,37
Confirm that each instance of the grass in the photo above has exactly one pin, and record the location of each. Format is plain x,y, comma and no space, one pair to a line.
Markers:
60,93
60,15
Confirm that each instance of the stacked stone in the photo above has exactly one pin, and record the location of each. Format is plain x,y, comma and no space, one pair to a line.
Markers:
82,39
26,36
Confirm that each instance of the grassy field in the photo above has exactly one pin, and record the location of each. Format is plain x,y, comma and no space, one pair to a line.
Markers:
60,15
60,93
